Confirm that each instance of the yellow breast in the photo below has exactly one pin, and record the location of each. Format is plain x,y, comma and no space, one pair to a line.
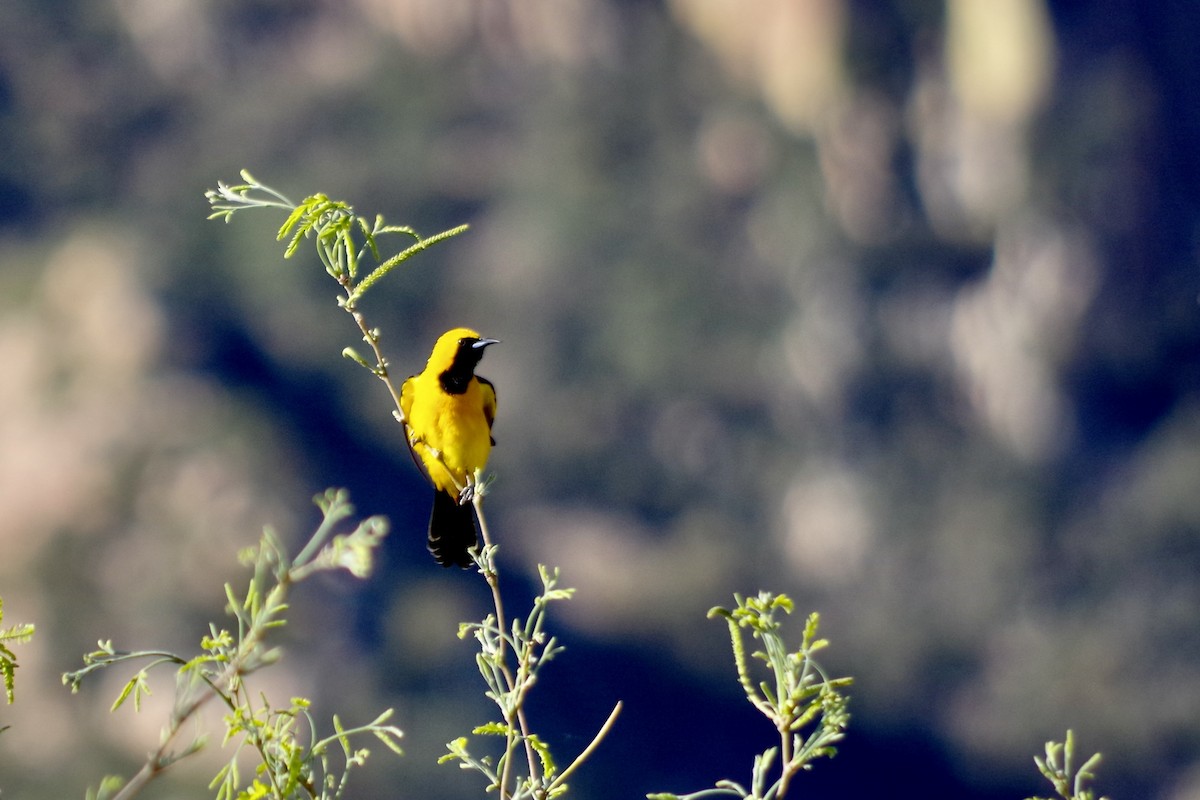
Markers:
449,432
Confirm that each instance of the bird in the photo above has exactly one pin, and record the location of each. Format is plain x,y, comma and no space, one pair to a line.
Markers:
447,411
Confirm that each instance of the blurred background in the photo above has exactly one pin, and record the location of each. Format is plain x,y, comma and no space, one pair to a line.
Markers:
888,306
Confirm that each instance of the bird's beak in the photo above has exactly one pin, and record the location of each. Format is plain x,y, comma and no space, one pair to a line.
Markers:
482,343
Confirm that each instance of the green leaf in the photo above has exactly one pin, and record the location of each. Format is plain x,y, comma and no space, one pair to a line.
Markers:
292,220
109,786
387,266
549,768
343,740
492,729
135,686
352,354
8,667
17,634
390,736
718,611
457,750
558,594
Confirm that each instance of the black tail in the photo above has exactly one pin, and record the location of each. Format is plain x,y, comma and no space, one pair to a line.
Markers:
451,531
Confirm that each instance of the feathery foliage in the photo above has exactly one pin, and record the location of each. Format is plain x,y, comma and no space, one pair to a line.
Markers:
16,634
806,706
293,763
1058,768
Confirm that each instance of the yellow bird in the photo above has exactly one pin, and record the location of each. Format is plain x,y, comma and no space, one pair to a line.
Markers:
448,412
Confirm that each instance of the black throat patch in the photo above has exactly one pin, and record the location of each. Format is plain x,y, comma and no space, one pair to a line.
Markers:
457,378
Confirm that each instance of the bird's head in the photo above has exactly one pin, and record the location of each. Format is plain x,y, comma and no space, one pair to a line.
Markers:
456,353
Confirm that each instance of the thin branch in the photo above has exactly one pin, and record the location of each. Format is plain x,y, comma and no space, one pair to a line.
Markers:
587,751
493,579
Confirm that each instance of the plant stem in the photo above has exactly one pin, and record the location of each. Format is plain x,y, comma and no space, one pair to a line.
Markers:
518,702
587,751
785,761
371,339
158,760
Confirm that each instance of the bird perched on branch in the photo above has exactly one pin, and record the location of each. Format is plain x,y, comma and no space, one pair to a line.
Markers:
448,412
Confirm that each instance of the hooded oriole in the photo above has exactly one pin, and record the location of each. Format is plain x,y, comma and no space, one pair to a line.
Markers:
448,412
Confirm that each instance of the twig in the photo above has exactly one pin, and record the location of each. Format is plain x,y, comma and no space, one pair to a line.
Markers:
493,579
587,751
